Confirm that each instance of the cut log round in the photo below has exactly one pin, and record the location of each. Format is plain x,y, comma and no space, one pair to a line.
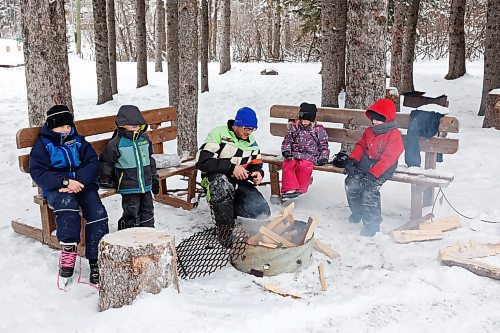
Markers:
132,261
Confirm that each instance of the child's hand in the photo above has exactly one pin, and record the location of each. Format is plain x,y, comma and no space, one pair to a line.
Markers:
288,155
256,177
321,161
240,173
74,186
155,185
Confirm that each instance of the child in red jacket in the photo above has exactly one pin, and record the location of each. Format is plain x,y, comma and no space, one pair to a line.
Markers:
372,162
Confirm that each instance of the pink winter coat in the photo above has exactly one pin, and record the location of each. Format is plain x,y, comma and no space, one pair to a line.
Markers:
306,142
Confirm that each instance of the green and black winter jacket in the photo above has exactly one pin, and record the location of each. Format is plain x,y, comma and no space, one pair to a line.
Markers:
223,150
126,161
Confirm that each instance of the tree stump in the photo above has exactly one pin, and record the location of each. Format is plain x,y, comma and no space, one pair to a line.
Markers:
132,261
492,114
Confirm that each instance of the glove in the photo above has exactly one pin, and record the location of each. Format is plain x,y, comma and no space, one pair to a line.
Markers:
322,161
155,185
369,178
288,155
351,167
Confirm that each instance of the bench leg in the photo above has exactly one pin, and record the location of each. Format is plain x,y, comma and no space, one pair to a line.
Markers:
430,163
191,186
48,223
275,180
416,202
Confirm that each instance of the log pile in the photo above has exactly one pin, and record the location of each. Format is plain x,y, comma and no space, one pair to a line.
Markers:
284,231
425,229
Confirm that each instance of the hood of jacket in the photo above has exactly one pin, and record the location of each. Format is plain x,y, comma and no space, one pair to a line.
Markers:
129,115
385,107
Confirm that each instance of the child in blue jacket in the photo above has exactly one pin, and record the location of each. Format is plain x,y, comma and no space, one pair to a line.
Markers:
65,166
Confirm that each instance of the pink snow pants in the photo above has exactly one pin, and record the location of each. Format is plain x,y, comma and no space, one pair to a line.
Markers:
296,175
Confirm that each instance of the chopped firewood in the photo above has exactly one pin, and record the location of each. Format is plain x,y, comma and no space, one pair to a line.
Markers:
321,269
283,225
408,236
464,255
273,287
254,240
325,249
275,237
414,224
442,224
312,223
269,245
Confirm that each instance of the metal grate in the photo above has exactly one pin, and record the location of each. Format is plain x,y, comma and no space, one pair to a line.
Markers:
209,250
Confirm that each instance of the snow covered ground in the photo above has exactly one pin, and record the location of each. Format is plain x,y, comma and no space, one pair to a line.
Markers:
376,286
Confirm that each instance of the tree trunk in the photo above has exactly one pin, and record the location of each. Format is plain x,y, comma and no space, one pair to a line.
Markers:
45,57
491,78
225,45
204,46
456,67
112,44
492,114
159,35
133,261
365,54
187,112
78,47
269,29
104,93
409,42
141,45
277,31
333,20
397,43
287,33
173,52
258,44
213,48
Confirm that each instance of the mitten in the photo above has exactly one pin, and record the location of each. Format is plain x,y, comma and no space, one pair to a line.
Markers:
155,185
369,178
322,161
288,155
351,167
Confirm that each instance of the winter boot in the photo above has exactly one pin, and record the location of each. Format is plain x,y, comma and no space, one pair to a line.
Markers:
355,218
94,271
225,236
67,260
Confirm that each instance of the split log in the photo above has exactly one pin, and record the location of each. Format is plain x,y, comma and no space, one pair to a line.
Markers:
133,261
274,288
322,280
254,240
312,223
441,224
275,237
408,236
463,256
325,249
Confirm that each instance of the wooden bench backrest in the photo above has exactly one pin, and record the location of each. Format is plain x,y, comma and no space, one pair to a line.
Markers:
329,116
25,137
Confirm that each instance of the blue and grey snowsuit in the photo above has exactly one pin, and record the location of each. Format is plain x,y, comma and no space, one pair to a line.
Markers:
128,163
55,157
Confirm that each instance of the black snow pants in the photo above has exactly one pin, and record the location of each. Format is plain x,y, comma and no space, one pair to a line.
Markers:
138,211
363,197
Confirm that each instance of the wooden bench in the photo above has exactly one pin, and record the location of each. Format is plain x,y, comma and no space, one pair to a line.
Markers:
26,137
422,182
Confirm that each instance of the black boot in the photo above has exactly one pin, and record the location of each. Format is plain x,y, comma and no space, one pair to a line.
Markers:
94,271
67,260
225,235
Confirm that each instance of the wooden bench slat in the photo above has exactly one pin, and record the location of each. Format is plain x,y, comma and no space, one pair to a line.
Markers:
156,136
428,145
448,124
26,137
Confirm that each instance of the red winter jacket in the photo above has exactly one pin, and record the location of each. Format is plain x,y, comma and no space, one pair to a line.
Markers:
385,148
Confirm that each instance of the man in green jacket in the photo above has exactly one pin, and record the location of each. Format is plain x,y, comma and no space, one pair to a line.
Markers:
231,166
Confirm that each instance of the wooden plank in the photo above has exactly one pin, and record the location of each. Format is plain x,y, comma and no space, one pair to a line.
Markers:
269,245
450,256
342,135
441,224
26,137
273,288
325,249
312,223
322,280
173,201
27,230
275,237
408,236
356,117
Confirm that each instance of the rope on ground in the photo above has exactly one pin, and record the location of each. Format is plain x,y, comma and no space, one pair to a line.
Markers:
456,211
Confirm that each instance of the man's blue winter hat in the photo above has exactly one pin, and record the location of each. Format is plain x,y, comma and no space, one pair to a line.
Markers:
245,117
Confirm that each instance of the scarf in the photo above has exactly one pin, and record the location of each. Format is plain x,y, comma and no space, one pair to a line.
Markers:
385,127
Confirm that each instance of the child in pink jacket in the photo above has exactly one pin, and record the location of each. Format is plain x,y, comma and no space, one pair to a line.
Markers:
305,144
